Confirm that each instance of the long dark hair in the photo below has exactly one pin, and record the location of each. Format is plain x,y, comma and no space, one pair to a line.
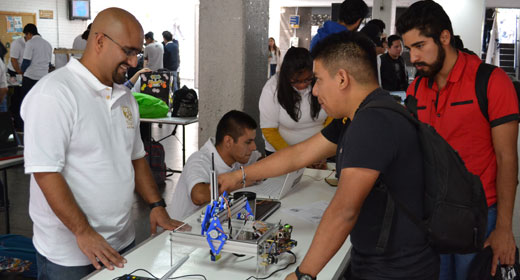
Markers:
295,62
275,48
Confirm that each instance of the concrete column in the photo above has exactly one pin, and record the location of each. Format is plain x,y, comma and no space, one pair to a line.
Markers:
467,19
232,60
385,11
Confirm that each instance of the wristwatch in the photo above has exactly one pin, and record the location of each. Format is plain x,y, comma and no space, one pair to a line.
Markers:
303,276
158,203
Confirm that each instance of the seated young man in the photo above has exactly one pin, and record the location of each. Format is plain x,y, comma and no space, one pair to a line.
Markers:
234,146
378,144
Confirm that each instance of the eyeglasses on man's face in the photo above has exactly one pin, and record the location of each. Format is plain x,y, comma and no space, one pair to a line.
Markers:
129,52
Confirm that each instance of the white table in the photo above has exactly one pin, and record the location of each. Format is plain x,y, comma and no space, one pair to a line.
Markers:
154,253
4,165
173,121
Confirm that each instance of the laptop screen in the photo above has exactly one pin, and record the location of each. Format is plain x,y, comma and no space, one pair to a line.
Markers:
7,134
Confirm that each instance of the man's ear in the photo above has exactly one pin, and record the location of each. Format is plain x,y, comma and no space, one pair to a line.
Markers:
342,78
445,37
99,41
228,141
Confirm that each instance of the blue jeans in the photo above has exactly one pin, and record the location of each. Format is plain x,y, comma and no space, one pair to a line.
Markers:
272,69
48,270
455,266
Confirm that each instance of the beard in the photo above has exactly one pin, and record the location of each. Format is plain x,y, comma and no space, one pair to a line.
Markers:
117,76
431,70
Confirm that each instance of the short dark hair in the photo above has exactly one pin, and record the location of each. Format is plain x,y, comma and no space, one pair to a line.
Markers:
233,124
373,33
167,35
352,51
393,38
149,35
379,23
30,28
428,17
352,10
85,34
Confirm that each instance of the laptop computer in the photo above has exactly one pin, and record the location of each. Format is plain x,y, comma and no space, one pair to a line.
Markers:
9,142
277,187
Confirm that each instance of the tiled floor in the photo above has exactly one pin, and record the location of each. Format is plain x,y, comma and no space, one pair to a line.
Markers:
19,185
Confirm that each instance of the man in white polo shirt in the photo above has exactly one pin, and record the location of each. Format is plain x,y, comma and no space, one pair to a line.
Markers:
36,60
233,147
86,157
16,56
153,53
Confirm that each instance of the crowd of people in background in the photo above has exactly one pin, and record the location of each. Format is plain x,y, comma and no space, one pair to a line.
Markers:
314,106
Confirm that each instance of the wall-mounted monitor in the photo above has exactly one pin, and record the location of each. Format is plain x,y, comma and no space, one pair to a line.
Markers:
79,9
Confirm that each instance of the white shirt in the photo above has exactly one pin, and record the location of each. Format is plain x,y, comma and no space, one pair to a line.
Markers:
197,170
39,52
16,51
89,133
153,52
272,115
79,44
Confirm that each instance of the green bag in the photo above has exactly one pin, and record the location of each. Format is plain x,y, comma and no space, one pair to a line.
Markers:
150,107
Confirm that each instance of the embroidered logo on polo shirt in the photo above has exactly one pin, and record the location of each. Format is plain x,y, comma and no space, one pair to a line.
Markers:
128,115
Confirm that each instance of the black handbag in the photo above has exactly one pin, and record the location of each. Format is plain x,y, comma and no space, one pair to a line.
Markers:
185,103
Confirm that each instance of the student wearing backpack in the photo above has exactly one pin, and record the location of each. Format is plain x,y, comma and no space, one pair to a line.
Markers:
447,100
379,144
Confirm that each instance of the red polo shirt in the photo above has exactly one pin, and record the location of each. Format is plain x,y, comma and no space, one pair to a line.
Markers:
455,114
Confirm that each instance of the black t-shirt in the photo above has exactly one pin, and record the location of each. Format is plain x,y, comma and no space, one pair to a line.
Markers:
385,141
393,73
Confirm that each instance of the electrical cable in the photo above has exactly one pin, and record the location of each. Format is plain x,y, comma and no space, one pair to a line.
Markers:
189,275
278,270
154,277
139,269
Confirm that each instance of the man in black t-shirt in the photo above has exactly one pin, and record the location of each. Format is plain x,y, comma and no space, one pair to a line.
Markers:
370,144
392,70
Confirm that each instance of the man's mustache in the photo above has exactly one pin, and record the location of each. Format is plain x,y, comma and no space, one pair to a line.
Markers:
420,64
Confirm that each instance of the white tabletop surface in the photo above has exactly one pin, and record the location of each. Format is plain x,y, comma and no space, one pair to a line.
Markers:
154,253
171,120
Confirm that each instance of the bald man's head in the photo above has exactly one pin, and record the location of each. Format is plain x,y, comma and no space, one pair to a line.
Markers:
116,37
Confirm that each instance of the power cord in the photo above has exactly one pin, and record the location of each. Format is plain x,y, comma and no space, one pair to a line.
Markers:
189,275
130,274
155,277
278,270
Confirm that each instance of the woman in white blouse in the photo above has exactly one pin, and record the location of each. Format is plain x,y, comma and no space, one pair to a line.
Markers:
289,113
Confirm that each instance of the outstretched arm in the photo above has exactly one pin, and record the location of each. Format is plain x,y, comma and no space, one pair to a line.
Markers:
284,161
340,217
502,241
145,186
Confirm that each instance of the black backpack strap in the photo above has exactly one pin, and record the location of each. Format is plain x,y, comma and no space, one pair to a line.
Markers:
394,106
417,85
481,84
411,101
386,226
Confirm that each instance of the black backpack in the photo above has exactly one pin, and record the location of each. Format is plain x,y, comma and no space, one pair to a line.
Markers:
185,103
156,159
455,208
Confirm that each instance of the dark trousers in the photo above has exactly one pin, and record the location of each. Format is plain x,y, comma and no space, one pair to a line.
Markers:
17,99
